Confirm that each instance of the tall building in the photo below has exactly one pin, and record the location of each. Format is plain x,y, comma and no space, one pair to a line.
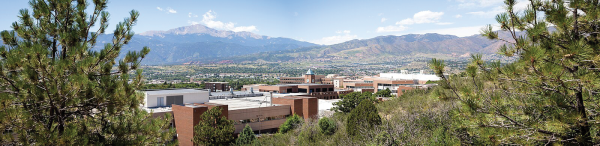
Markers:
308,77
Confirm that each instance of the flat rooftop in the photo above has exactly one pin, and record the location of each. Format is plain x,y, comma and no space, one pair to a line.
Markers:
244,103
174,91
237,103
229,93
218,82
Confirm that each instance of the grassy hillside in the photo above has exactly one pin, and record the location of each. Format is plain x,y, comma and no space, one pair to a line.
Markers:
416,118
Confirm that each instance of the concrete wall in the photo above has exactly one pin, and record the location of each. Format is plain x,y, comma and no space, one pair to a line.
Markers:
199,97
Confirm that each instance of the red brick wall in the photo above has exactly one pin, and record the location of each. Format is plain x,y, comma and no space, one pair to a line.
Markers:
185,119
294,102
399,91
310,107
307,107
224,108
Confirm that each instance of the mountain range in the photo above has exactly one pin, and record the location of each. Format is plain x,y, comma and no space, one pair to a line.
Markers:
386,46
198,42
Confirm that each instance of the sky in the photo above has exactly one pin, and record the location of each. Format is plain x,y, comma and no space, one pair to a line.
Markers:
321,22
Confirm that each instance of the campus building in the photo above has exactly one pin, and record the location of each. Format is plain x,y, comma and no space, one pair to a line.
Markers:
217,86
261,110
398,83
309,77
320,91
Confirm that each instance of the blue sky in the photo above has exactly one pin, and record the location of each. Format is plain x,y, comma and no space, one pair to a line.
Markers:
321,22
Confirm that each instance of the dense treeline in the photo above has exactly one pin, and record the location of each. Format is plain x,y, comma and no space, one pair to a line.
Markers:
171,86
153,73
235,83
238,83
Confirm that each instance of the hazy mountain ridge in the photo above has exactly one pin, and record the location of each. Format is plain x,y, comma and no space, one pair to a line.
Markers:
198,42
373,48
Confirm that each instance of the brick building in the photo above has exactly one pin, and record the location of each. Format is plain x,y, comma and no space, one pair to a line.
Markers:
216,86
262,111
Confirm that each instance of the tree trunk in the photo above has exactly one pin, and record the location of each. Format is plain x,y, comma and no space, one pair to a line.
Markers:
584,127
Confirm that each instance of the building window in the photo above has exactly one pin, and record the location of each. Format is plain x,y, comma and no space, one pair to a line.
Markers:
160,101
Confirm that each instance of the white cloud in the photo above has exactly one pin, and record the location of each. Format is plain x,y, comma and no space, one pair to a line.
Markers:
336,39
391,28
192,15
458,16
419,18
383,19
344,31
422,17
169,10
444,23
193,22
208,20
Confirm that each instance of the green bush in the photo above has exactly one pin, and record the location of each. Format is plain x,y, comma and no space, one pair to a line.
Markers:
246,136
327,126
384,93
365,115
351,100
290,124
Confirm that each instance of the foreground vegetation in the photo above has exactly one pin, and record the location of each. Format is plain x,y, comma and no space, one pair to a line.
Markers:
416,118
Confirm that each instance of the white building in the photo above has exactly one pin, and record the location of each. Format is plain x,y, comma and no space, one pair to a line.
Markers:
165,98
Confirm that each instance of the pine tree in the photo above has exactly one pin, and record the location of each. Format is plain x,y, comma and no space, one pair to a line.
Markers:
213,129
384,93
364,116
291,123
551,93
327,126
246,136
56,90
351,100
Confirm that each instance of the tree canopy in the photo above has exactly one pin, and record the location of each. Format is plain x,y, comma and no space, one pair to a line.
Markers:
246,137
384,93
213,129
58,88
327,126
351,100
550,94
364,116
291,123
